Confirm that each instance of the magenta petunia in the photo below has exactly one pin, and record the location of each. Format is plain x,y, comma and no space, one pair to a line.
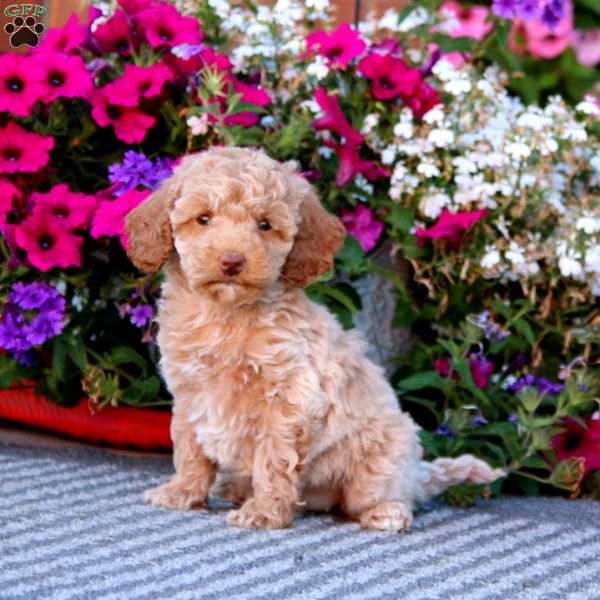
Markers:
109,219
481,369
390,76
163,26
450,227
71,210
46,243
362,225
65,76
579,441
334,119
138,82
249,95
115,34
351,164
68,38
21,83
339,47
423,99
129,123
22,151
8,194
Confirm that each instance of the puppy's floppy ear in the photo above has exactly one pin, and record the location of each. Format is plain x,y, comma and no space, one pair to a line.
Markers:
150,239
319,237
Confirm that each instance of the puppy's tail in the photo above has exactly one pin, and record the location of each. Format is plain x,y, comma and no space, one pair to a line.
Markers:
442,473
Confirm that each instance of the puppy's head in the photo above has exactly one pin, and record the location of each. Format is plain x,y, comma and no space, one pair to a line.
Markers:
239,222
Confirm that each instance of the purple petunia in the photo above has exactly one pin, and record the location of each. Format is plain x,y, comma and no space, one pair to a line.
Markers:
33,314
550,12
504,8
137,170
444,430
141,315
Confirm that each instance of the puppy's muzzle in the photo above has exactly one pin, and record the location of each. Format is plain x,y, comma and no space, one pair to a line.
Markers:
232,263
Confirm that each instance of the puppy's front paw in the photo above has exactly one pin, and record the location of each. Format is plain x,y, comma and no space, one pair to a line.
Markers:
387,516
175,495
261,515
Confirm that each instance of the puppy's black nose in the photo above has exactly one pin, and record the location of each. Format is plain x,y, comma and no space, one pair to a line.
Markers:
232,263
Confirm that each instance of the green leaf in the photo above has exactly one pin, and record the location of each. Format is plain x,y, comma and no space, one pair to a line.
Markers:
351,257
568,474
592,5
524,328
457,44
530,398
122,355
422,380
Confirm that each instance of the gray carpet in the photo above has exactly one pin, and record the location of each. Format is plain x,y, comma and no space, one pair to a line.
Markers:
73,525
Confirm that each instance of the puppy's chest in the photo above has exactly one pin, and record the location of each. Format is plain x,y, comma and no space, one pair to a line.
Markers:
228,384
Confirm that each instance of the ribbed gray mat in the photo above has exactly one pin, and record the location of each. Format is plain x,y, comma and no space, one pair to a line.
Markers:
73,525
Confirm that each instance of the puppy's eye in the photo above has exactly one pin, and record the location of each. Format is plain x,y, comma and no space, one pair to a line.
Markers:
203,219
264,225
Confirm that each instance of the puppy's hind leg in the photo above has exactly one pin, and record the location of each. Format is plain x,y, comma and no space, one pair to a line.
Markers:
194,472
379,486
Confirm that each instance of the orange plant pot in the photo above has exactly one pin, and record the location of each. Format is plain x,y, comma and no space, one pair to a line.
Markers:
118,427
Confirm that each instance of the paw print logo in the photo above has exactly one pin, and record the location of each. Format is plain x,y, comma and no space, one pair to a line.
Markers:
24,32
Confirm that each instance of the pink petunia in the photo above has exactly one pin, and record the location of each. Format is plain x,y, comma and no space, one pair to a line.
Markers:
579,441
138,82
351,164
535,38
47,243
472,20
68,38
130,124
8,194
187,60
339,47
586,43
249,95
65,76
22,151
109,219
334,119
163,26
390,77
21,83
71,210
362,225
450,227
115,34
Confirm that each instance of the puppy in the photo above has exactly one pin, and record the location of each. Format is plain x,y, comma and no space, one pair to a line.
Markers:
267,387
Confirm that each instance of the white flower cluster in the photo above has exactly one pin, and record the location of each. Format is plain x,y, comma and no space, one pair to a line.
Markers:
535,168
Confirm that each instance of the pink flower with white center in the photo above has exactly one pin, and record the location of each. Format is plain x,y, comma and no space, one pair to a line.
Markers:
71,210
65,76
47,243
339,47
472,20
22,151
163,26
129,123
138,82
21,83
68,38
390,76
334,119
363,226
109,219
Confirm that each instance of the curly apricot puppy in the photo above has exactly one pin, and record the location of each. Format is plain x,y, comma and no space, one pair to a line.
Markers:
268,388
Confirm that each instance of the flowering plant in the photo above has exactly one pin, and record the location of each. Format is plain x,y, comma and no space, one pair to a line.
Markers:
488,207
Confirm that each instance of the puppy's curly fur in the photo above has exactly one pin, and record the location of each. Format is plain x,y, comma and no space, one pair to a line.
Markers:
268,389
